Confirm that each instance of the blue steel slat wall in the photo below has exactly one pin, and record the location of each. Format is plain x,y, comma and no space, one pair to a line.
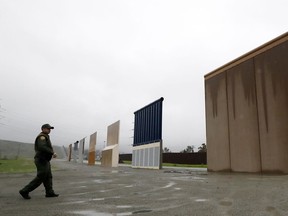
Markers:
148,123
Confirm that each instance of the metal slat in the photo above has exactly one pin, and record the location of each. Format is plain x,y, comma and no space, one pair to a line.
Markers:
148,123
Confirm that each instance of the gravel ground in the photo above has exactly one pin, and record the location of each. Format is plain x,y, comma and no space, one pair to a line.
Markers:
99,191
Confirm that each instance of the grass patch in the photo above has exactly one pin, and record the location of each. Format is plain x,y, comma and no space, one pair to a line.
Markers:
177,165
17,166
127,162
185,165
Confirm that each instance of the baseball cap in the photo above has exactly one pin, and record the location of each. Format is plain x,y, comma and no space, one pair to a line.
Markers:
47,126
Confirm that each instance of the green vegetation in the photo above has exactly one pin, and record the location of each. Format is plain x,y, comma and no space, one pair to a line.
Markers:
21,165
185,165
17,166
177,165
127,162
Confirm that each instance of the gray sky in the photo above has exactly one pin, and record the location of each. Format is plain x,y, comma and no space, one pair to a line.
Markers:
83,65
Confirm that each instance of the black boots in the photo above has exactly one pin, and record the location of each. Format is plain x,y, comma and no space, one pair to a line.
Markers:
25,195
52,195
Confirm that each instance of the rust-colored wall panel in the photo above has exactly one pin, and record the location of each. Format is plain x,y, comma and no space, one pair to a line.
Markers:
70,152
218,155
243,118
272,94
92,149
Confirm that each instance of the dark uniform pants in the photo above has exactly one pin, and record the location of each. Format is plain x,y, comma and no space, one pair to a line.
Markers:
44,175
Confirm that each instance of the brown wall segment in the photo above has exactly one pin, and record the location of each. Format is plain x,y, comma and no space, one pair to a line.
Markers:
254,135
92,149
218,155
70,152
272,88
243,120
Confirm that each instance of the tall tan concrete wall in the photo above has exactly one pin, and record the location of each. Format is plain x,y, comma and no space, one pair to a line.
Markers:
243,120
272,93
247,111
218,155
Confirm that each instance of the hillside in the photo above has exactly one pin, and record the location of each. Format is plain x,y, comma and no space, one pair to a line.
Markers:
13,149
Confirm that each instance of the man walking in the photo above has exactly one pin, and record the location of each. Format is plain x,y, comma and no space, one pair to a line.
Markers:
43,154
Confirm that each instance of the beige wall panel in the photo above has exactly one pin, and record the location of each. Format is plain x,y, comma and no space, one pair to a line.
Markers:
106,159
113,133
110,156
218,153
111,151
272,95
243,118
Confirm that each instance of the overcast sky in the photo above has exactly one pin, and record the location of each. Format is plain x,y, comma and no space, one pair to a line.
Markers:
83,65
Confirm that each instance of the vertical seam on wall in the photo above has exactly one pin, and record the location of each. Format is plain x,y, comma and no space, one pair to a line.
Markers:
227,104
257,110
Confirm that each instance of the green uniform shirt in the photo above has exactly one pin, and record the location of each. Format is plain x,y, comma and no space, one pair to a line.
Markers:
43,147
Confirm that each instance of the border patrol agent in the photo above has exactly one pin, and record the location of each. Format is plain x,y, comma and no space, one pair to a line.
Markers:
44,153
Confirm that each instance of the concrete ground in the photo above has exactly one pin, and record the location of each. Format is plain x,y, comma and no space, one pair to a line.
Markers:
97,191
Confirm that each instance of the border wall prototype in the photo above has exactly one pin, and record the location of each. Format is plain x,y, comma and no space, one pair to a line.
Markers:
110,154
92,149
246,111
147,143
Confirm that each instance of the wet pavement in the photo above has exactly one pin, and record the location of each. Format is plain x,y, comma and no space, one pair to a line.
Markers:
98,191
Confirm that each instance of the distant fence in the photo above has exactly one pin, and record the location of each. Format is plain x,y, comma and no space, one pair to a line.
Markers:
176,158
15,150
